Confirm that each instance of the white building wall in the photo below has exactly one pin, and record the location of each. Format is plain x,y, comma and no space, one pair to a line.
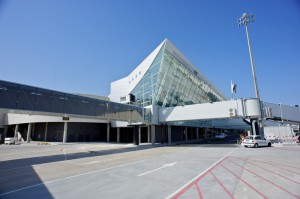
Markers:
124,86
118,89
15,118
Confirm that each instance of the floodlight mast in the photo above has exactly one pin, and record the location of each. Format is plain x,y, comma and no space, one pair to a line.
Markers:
244,20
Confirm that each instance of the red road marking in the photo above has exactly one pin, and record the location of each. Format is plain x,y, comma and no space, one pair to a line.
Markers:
277,164
199,192
271,171
265,179
284,149
268,163
222,185
274,165
196,180
249,185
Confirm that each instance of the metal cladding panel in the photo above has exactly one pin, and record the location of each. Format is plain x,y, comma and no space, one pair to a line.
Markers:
71,104
82,105
290,113
91,106
8,94
275,109
43,100
285,112
26,97
57,102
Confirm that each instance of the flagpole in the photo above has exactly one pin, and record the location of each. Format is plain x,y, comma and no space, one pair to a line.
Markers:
231,90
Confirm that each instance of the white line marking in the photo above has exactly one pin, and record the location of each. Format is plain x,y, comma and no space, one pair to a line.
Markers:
165,165
74,176
95,162
173,194
63,149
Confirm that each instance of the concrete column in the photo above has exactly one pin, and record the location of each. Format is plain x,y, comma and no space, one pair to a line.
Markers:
139,132
5,131
148,133
65,132
197,133
253,127
33,129
136,136
108,131
46,131
169,135
28,132
16,130
118,134
205,133
153,134
186,134
4,134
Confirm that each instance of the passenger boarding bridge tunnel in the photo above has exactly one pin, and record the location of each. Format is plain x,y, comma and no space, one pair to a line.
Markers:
250,110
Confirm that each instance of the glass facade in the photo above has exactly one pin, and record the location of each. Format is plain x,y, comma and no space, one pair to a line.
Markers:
170,82
17,96
145,90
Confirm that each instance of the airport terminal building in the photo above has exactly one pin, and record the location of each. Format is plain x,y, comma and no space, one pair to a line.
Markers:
166,78
164,99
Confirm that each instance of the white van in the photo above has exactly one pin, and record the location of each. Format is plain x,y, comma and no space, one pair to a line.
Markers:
10,140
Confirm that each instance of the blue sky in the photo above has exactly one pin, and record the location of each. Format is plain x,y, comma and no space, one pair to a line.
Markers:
81,46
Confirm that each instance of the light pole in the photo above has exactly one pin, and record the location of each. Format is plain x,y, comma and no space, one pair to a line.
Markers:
244,20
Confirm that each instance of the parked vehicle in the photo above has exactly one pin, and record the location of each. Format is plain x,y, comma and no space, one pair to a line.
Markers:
256,141
10,140
297,137
220,135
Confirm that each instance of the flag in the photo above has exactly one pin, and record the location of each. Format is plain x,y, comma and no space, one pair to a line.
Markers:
233,88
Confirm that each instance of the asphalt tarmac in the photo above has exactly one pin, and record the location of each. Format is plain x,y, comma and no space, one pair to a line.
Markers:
103,170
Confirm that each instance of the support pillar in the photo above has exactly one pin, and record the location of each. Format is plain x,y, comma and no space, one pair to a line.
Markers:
118,134
148,134
16,131
33,130
153,134
169,134
254,127
197,133
65,132
5,131
46,131
4,134
28,132
139,133
205,133
108,131
186,134
136,136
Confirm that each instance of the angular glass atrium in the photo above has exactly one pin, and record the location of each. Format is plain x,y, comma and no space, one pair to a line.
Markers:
171,80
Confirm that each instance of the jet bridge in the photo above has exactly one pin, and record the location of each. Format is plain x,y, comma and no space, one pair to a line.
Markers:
239,108
248,110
